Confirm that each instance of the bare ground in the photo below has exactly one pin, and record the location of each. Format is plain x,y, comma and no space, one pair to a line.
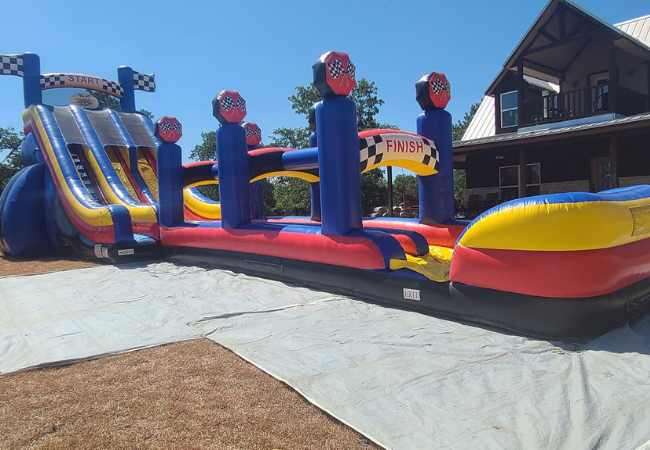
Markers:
12,266
192,394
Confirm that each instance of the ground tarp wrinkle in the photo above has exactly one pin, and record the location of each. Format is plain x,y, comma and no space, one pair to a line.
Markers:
406,380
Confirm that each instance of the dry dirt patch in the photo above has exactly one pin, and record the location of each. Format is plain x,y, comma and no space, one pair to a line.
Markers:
11,266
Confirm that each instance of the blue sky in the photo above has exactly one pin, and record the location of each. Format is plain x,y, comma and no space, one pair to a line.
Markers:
266,48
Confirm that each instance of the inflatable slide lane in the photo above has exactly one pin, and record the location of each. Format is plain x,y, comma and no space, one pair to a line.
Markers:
197,206
83,190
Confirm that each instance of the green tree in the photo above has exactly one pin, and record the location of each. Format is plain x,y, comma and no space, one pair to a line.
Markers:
373,183
206,150
460,126
405,190
10,141
374,191
290,137
458,131
365,95
291,196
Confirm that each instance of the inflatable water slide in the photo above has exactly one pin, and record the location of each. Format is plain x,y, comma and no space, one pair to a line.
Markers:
105,181
89,179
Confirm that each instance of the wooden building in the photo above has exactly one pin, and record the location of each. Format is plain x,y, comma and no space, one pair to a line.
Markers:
570,111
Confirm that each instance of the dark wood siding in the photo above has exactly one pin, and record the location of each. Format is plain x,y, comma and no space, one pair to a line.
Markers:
565,161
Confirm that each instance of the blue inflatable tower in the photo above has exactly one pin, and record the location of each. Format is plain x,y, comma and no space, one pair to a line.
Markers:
338,145
170,172
436,192
232,153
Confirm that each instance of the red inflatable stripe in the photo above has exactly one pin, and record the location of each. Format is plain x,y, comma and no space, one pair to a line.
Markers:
576,274
442,235
344,251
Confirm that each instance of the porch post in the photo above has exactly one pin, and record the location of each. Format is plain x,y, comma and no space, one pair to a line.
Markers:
613,158
613,80
522,173
647,98
389,189
521,97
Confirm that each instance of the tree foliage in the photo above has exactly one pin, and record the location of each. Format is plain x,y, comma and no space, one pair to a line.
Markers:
460,126
292,196
405,190
9,149
206,150
291,137
458,131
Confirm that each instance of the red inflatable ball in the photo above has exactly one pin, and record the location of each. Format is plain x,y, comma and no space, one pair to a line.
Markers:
253,134
229,107
169,129
334,74
433,91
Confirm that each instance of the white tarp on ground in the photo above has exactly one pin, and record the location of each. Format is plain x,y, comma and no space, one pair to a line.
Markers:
404,379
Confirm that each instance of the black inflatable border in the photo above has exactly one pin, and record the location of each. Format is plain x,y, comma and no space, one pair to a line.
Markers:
547,318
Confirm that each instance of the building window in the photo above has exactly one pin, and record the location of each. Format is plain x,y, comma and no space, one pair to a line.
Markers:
509,181
509,107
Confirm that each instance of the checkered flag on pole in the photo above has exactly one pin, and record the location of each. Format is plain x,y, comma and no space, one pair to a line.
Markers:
144,82
12,65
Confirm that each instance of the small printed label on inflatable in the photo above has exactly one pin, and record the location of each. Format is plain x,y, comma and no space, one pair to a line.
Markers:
125,252
412,294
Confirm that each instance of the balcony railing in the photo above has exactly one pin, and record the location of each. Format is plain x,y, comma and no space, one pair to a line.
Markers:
581,103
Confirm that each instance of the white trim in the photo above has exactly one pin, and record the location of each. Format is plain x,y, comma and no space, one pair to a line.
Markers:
500,186
502,110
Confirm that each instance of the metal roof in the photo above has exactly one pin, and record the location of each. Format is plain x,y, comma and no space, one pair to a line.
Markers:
538,134
482,125
638,28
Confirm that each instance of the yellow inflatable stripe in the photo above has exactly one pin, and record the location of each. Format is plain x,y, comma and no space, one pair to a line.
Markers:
434,266
148,174
416,167
98,216
119,170
308,177
203,183
562,226
201,209
138,213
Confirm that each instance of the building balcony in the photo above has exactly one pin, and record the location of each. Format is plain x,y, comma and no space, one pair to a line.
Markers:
581,103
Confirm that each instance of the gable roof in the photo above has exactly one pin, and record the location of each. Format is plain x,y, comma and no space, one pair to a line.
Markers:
635,30
533,34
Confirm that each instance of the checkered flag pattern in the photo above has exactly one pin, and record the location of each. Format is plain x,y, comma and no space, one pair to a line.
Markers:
228,103
373,149
52,80
253,131
336,69
12,65
439,85
112,87
144,82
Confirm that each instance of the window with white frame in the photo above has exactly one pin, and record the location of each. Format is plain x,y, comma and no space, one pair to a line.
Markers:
509,181
509,107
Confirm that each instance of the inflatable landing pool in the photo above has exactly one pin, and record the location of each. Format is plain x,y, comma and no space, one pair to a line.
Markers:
564,265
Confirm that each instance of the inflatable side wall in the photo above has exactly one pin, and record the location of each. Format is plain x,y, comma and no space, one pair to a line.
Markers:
570,245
